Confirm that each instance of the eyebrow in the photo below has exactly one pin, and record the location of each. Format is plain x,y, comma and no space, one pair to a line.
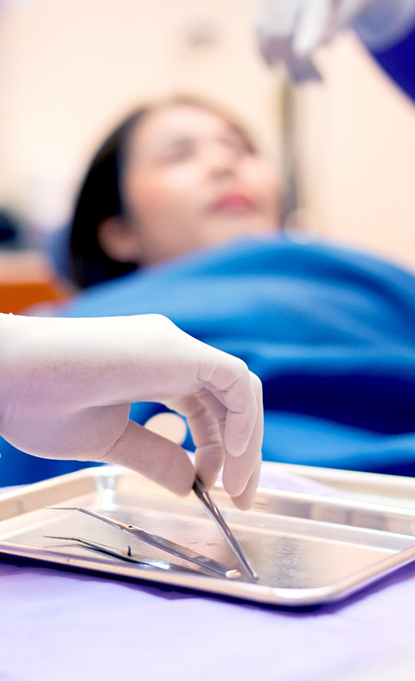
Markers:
170,141
184,140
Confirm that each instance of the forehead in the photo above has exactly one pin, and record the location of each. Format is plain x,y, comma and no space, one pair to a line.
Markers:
181,121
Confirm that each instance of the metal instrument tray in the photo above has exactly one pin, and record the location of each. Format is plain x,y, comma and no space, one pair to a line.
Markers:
308,548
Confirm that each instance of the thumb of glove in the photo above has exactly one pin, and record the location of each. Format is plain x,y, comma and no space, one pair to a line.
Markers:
155,457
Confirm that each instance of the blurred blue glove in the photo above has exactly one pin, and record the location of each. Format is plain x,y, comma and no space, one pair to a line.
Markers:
290,30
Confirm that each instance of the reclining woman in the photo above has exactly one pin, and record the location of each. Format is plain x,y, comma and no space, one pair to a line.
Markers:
178,214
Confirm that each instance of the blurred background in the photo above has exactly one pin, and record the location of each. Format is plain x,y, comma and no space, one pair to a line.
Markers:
69,69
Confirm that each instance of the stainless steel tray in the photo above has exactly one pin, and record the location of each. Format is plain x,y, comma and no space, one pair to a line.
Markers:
307,548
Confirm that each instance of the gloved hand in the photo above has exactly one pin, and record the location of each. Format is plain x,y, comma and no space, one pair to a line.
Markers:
290,30
67,385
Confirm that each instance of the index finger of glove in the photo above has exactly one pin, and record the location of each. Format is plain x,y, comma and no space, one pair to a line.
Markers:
236,388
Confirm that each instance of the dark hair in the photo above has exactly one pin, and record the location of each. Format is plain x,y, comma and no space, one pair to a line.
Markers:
100,194
98,199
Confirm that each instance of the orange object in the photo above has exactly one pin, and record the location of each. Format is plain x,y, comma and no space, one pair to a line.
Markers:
27,278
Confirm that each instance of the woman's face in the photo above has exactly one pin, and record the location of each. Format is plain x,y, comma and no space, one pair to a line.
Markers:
190,181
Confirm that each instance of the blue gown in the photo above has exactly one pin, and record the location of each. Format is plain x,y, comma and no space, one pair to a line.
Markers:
331,333
399,62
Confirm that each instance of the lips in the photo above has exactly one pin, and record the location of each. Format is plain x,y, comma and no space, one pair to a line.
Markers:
233,202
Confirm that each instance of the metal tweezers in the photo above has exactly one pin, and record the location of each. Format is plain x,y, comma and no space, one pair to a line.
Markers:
201,493
124,555
208,564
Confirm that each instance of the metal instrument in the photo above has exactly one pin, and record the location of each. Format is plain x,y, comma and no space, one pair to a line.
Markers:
208,564
124,555
231,540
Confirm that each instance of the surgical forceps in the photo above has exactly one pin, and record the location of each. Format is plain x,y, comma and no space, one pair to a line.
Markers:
208,564
171,547
201,493
124,555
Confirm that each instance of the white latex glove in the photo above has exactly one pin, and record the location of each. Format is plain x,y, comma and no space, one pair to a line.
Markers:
67,384
290,30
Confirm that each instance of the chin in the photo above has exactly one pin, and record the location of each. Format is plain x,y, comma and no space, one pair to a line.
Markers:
228,232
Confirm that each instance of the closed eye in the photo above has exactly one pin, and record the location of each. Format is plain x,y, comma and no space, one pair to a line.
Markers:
177,151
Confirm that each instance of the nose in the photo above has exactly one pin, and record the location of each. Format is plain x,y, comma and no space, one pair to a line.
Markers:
220,159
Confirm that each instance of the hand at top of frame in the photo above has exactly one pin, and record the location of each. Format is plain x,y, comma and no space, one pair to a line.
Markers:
67,386
289,31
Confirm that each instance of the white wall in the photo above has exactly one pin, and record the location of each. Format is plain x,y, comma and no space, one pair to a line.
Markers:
356,154
70,68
